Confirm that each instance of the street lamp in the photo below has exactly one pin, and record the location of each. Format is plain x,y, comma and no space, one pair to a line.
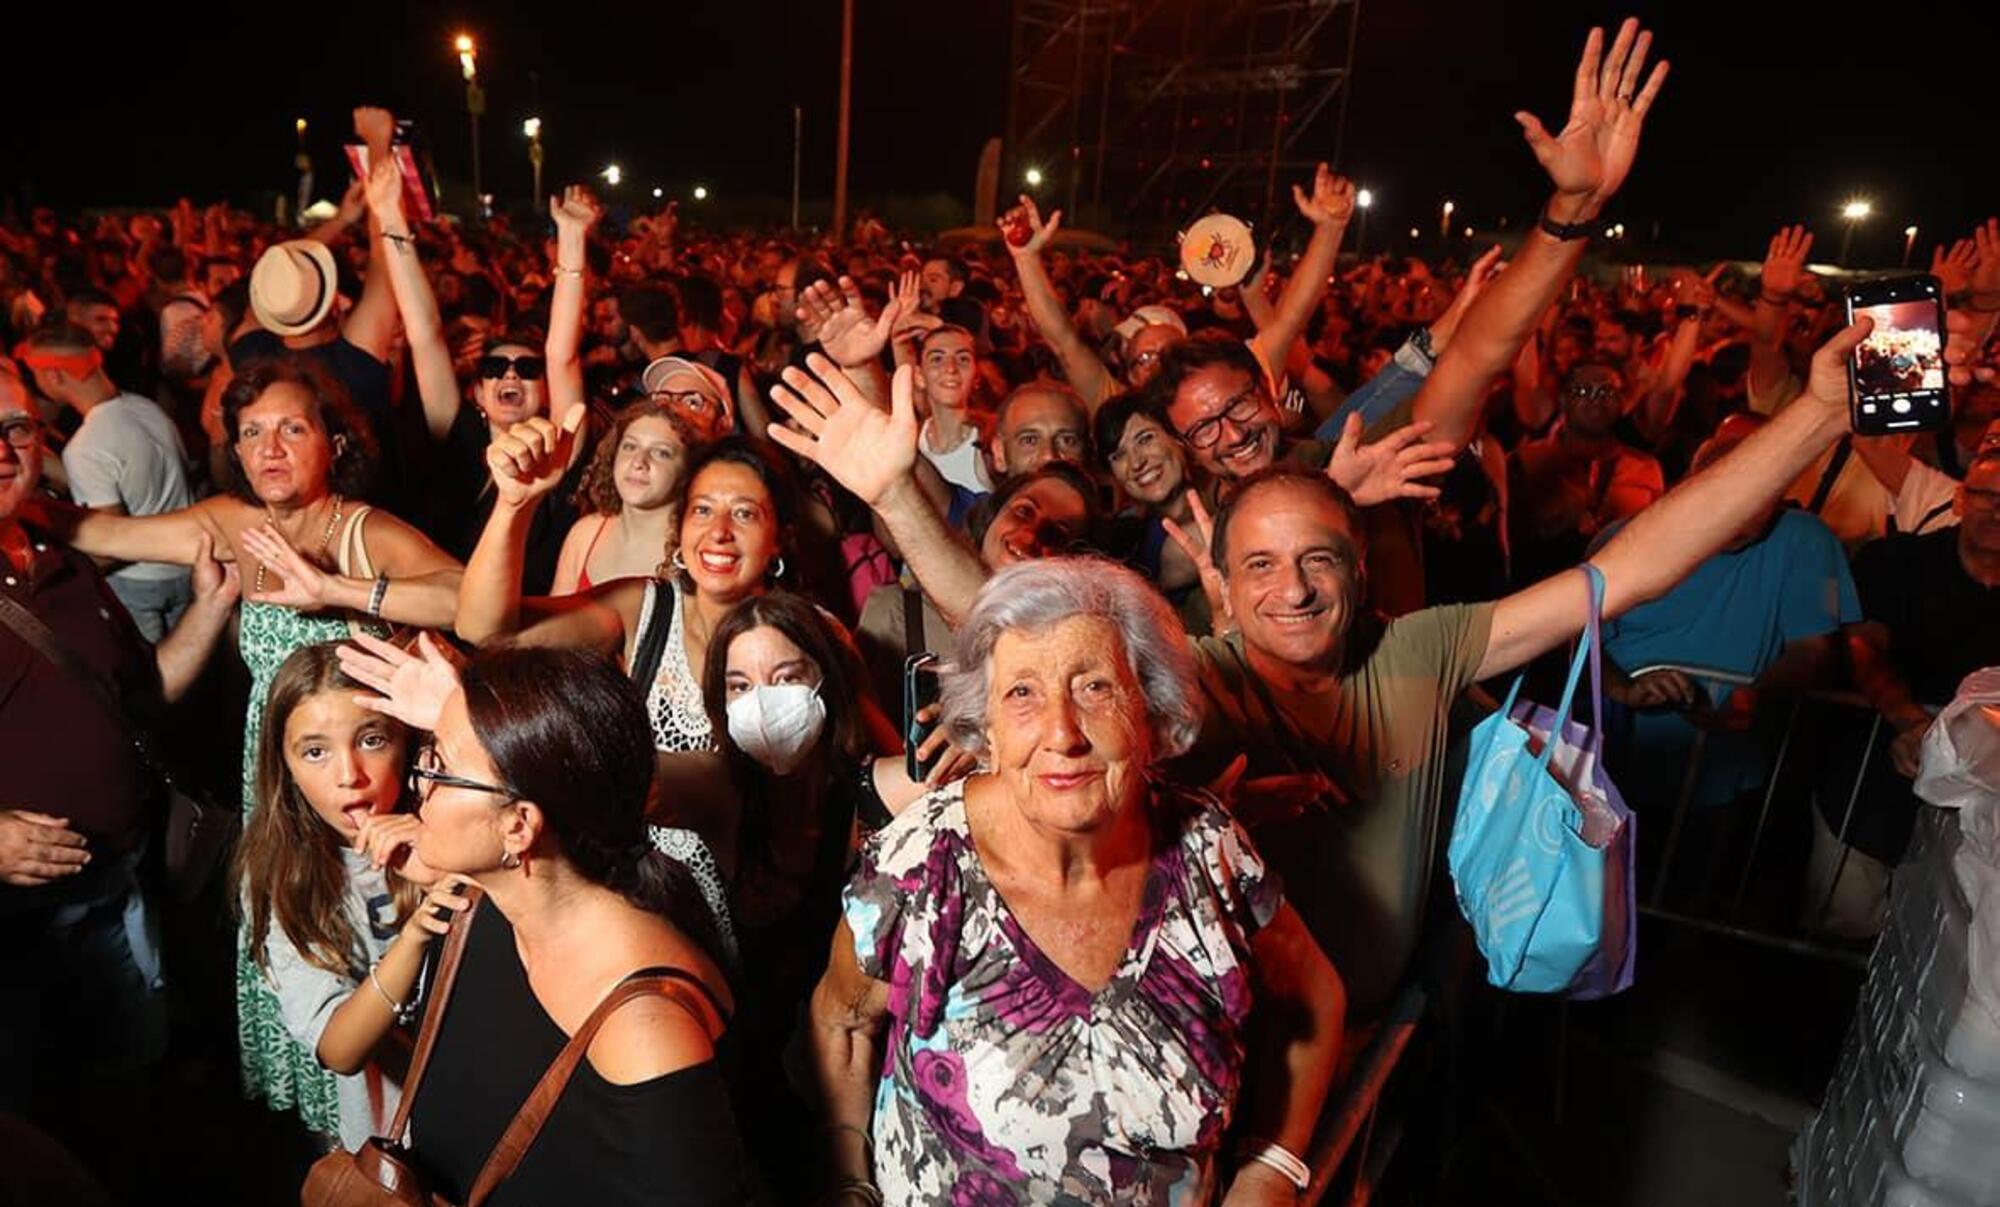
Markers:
1444,225
612,174
1909,243
475,105
1034,177
1854,212
658,192
532,128
1365,200
701,192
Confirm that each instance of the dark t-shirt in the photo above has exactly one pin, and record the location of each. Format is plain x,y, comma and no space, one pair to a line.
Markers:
367,382
460,500
669,1140
59,752
1943,625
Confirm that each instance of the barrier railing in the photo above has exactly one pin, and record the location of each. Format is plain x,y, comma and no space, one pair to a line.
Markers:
1345,1141
1655,900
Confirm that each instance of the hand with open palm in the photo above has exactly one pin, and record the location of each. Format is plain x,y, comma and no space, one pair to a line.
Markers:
1589,158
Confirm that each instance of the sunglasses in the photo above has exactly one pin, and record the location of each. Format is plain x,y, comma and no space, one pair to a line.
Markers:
529,368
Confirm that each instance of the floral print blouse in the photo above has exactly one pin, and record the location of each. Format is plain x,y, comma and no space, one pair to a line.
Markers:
1006,1082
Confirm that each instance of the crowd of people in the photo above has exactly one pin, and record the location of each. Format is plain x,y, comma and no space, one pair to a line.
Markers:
581,586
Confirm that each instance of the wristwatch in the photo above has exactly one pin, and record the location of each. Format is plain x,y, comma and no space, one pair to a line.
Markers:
1421,341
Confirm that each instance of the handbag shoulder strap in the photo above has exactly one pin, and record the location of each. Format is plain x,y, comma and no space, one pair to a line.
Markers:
527,1122
653,641
447,972
1831,474
1587,649
29,628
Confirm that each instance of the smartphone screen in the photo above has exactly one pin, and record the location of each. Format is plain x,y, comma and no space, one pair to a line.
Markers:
920,691
1896,375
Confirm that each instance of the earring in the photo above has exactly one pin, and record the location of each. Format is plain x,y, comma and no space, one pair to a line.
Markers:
778,567
509,860
676,562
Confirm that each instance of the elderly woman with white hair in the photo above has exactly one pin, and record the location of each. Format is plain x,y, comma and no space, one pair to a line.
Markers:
1049,977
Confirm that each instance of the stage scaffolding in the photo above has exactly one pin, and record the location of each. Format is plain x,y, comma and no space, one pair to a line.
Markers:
1143,115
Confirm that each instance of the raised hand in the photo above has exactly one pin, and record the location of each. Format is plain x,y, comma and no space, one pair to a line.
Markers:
1953,268
302,586
866,450
1593,153
1477,278
576,211
410,687
1785,261
531,458
1039,232
376,128
840,316
1197,549
353,203
1391,467
1826,381
1332,198
1965,335
385,195
1986,271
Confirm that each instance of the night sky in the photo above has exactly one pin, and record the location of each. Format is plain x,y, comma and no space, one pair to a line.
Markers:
1770,116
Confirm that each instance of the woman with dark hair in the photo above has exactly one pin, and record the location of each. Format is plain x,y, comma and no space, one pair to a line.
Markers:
1136,446
535,785
805,747
631,479
519,375
324,566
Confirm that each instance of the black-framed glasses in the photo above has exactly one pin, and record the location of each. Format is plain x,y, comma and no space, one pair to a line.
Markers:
530,368
427,772
20,431
1242,409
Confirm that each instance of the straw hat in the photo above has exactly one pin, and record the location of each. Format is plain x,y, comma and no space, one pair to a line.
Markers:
292,287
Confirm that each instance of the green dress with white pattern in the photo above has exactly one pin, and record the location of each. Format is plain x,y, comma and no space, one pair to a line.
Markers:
276,1067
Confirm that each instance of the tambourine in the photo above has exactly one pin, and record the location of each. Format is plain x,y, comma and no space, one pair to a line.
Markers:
1217,251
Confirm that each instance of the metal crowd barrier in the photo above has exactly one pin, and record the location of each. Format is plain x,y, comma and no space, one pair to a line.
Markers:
1654,903
1345,1142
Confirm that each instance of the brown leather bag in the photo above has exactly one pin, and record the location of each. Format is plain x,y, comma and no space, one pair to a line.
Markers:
380,1174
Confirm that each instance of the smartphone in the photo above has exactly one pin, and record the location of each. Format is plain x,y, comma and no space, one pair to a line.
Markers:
1895,378
920,691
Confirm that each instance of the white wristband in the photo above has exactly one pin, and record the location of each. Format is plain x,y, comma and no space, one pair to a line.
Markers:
1287,1163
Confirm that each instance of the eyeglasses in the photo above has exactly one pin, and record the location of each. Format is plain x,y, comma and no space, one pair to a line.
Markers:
1242,409
20,431
427,772
686,400
530,368
1599,392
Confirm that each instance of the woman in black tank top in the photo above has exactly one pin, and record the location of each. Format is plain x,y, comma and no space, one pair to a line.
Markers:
535,785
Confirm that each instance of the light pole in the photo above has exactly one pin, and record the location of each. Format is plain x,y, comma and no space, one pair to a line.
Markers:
304,163
613,175
1909,244
533,129
1853,212
1444,224
841,134
475,104
1365,201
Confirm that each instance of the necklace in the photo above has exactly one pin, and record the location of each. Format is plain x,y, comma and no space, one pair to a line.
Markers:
325,542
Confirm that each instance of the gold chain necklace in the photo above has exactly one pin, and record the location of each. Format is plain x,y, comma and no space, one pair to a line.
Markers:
325,542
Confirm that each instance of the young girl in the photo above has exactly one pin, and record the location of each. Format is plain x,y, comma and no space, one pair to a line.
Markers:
338,936
627,499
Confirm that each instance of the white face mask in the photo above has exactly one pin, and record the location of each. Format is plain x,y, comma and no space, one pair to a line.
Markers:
777,724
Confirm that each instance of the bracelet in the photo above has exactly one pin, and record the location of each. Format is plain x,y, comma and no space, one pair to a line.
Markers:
862,1132
1771,299
1564,231
376,596
395,1007
1286,1162
869,1192
395,238
568,272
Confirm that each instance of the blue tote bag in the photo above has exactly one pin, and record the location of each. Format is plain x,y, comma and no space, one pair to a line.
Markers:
1541,851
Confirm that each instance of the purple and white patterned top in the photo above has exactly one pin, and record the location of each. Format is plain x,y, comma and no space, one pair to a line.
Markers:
1006,1082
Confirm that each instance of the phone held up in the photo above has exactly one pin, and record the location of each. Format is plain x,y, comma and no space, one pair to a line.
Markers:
920,691
1896,379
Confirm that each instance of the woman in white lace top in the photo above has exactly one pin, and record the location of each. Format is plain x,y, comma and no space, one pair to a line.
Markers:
738,510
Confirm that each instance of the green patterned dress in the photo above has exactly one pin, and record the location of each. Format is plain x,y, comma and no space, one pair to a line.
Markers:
276,1067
